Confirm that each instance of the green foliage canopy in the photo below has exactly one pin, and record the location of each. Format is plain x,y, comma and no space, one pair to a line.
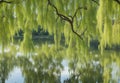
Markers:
78,20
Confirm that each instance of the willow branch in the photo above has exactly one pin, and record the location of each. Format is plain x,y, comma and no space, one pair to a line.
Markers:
60,15
69,20
96,2
118,1
79,35
78,10
8,2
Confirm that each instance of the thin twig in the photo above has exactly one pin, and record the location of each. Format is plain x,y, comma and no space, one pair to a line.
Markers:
78,10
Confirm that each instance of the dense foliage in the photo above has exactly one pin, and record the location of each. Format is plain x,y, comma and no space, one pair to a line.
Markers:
79,21
76,21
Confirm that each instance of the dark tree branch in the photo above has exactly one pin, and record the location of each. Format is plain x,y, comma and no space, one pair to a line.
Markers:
96,2
78,10
8,2
79,35
118,1
60,15
66,18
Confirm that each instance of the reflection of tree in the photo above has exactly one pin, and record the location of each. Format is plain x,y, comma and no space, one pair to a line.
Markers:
7,63
87,75
111,62
94,68
85,69
93,73
45,67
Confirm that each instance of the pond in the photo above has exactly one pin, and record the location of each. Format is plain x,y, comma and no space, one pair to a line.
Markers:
47,65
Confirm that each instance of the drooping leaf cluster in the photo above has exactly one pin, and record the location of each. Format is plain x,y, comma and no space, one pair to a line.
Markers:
108,23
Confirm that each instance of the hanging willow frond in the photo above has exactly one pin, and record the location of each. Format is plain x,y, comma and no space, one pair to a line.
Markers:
69,20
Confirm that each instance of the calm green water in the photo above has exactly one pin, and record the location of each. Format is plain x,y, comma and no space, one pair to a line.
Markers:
47,65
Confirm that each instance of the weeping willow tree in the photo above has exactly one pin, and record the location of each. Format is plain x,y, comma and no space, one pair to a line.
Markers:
79,21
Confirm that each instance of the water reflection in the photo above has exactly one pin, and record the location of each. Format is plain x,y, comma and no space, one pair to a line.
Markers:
95,68
85,70
44,65
7,63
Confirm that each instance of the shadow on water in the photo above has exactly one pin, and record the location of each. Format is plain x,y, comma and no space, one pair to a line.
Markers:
45,65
